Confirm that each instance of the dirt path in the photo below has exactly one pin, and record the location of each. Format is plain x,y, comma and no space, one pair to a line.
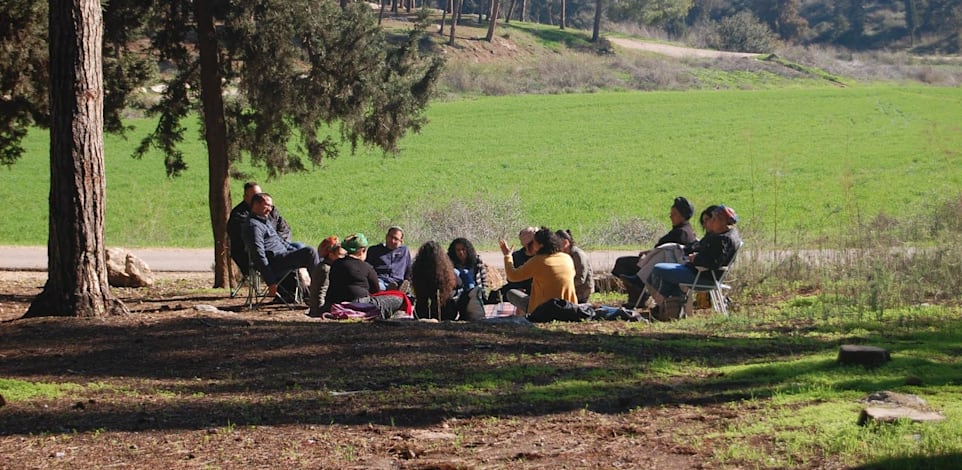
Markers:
676,51
34,258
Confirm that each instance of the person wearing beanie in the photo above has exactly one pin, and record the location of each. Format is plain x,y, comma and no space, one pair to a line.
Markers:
330,251
627,267
715,250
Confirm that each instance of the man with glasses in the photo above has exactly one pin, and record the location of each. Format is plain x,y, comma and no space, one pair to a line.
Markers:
391,260
273,256
238,221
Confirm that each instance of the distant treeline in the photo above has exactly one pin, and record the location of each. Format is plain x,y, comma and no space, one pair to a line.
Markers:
928,26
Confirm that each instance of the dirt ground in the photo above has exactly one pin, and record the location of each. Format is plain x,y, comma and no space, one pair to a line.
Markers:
179,385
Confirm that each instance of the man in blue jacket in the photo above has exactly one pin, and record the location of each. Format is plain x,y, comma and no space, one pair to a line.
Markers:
273,255
391,259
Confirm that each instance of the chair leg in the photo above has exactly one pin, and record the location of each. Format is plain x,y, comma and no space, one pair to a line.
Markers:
718,301
240,284
253,290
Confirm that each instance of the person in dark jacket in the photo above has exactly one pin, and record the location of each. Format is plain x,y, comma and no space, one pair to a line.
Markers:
273,256
714,251
353,280
626,267
238,221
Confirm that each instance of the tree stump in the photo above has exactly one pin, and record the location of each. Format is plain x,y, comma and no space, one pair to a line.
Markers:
868,356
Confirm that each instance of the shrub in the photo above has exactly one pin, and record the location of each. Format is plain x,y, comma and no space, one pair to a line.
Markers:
743,32
632,232
482,218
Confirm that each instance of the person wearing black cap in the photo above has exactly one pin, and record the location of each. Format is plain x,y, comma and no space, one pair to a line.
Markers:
626,267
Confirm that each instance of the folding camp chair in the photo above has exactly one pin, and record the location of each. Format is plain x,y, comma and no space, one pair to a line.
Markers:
245,280
666,253
707,281
257,295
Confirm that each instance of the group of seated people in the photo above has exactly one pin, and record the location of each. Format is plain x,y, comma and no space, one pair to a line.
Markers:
452,284
653,278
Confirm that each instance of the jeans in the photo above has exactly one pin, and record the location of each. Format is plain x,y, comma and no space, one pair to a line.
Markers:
666,276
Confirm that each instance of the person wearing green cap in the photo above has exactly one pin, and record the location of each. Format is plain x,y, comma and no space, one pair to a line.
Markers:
353,280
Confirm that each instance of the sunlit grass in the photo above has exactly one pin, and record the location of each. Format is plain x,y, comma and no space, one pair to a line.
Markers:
794,162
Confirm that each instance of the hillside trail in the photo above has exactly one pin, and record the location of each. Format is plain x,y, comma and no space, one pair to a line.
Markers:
676,51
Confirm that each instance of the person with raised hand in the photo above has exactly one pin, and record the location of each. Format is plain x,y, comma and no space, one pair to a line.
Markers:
552,272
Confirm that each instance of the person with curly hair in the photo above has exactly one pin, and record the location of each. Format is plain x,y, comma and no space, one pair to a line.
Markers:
433,281
471,275
552,272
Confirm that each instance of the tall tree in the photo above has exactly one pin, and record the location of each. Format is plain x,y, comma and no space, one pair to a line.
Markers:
493,19
855,14
294,67
77,269
455,18
911,18
596,24
215,134
562,20
790,25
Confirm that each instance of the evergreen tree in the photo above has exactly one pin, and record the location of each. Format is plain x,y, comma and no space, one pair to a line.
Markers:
296,66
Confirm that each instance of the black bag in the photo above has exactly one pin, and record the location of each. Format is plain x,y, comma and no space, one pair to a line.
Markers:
560,310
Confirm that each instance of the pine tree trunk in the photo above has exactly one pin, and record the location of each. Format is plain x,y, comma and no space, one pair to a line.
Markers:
561,22
455,17
596,27
215,134
493,19
524,10
76,262
444,12
507,17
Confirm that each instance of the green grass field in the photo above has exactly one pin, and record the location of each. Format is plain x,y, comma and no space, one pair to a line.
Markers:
797,164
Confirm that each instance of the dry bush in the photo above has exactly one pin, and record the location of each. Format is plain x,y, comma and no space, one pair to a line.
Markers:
647,73
482,218
632,232
638,30
876,65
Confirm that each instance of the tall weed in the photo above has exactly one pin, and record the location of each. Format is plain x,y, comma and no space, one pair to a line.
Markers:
890,264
